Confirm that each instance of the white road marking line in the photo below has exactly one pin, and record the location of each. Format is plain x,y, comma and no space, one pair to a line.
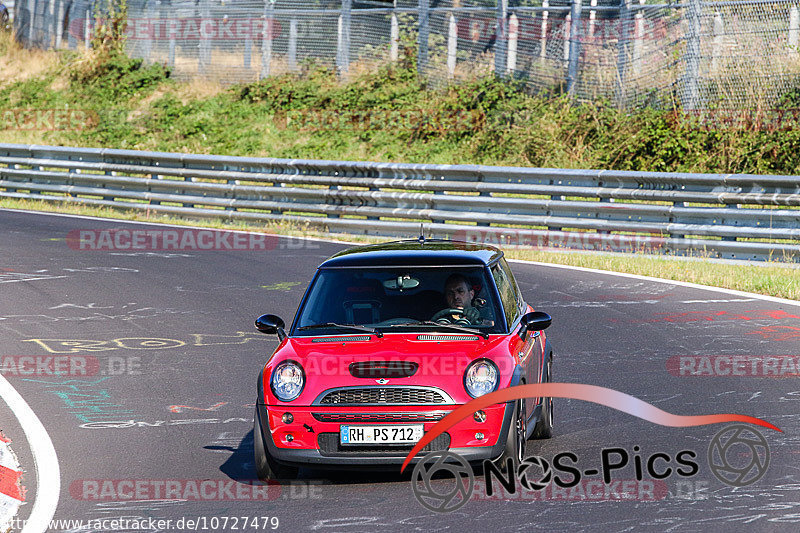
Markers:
743,294
48,475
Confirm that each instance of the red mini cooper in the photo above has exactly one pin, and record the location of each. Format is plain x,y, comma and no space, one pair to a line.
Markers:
388,340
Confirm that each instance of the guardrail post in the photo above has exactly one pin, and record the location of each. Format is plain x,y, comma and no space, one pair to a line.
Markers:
293,45
794,28
623,22
543,36
501,39
452,46
266,39
574,47
149,189
691,58
343,43
394,36
513,37
422,37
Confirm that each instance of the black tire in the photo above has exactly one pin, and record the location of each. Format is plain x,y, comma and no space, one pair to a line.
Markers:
544,426
267,469
515,440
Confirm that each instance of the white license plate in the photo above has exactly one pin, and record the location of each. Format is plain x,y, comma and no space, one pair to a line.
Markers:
380,434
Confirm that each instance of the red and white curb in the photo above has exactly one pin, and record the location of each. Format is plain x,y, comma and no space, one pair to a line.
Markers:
12,494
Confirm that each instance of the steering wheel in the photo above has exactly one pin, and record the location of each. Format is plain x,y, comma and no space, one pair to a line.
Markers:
441,316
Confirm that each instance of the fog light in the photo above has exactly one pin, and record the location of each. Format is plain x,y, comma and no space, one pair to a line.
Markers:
479,416
289,438
479,436
287,418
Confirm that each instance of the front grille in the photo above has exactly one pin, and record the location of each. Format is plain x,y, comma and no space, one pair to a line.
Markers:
383,396
329,446
433,416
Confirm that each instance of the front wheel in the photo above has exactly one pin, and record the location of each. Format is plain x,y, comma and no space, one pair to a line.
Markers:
267,468
544,426
515,441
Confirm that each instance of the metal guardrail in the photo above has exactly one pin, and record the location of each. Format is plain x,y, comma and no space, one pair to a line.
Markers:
722,215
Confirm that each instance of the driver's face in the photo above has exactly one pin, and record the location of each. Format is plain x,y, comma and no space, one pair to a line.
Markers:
459,295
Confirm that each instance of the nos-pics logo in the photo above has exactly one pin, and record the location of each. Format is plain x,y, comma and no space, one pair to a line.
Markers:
738,456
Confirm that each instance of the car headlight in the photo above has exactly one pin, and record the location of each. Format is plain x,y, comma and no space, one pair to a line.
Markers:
287,381
481,378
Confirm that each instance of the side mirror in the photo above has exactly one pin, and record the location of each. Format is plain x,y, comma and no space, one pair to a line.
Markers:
271,324
535,321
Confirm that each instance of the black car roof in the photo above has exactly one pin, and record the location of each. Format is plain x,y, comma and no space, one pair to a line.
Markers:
413,252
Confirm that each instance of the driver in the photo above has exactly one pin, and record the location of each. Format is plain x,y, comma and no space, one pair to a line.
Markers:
459,294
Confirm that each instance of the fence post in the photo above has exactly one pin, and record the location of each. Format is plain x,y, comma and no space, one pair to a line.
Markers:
638,39
266,39
592,17
171,28
293,45
87,24
567,32
543,37
622,51
574,47
452,46
394,37
205,43
690,93
31,19
148,43
343,45
794,27
248,50
72,27
513,37
59,24
501,38
719,35
422,37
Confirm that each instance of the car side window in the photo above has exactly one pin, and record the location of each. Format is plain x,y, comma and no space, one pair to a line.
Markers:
520,302
507,293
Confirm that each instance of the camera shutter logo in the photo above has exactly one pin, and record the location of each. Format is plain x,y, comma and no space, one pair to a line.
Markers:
738,455
457,490
525,468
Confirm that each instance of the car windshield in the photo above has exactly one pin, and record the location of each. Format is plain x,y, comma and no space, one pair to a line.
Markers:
400,299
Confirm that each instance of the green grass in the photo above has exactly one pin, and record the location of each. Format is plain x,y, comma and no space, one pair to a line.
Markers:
388,115
772,279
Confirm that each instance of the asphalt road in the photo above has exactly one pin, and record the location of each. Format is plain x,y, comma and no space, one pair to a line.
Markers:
176,359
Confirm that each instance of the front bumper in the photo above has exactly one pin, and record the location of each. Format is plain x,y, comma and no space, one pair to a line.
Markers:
307,449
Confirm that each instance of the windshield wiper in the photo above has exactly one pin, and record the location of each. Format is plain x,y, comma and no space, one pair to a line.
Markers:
342,326
453,327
